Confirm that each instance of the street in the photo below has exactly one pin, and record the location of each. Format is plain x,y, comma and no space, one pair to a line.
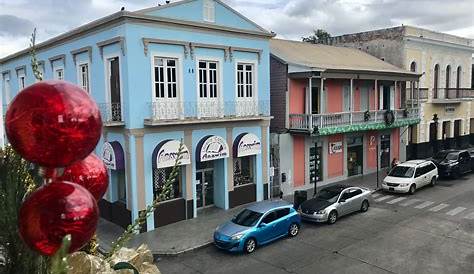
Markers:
429,232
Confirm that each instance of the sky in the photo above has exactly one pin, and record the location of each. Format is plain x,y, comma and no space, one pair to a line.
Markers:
290,19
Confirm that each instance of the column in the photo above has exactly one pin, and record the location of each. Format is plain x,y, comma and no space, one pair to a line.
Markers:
351,105
310,105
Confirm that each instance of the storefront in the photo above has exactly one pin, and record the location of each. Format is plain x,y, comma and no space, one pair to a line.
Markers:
164,157
115,208
211,188
245,148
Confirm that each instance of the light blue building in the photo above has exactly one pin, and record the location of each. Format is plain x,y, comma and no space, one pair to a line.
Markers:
194,71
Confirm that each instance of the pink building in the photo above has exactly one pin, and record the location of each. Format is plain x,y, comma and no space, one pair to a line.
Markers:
333,109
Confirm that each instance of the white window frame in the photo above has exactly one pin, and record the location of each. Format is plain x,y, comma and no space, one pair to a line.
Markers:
79,76
21,79
254,84
220,77
106,62
165,81
6,88
179,82
56,74
209,11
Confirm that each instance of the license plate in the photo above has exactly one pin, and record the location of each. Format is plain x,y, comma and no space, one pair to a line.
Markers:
391,188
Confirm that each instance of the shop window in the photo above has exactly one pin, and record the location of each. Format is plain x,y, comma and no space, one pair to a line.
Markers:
243,171
159,178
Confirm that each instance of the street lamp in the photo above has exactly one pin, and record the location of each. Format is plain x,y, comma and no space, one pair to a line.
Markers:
435,142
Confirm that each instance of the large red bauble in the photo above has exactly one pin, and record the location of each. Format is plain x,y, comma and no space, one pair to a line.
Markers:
55,210
53,123
91,173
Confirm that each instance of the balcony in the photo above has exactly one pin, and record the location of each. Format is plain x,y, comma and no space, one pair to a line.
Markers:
411,96
452,95
111,114
342,122
173,112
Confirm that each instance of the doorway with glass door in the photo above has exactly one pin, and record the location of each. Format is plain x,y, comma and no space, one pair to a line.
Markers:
205,185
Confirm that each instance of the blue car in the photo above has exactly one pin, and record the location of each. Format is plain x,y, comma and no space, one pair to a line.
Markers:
256,225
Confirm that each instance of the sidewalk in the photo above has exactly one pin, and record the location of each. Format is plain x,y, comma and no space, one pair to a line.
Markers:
188,235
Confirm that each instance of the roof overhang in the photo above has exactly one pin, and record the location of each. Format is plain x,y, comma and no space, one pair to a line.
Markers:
354,74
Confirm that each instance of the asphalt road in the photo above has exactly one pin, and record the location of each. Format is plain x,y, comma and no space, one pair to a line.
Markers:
429,232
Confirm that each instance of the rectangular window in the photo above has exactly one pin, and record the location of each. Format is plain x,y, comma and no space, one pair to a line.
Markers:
6,88
245,80
208,79
59,74
165,74
21,80
84,76
209,11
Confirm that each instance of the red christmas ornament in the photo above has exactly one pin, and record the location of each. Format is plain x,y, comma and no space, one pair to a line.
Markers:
53,123
55,210
91,173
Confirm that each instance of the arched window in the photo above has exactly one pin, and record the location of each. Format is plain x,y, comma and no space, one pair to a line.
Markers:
458,77
413,66
436,81
448,78
412,83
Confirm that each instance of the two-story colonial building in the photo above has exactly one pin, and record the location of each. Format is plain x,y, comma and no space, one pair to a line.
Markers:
193,71
333,109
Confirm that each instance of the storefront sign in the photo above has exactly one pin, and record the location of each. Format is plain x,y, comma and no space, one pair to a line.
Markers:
212,148
247,144
112,155
315,167
166,153
335,147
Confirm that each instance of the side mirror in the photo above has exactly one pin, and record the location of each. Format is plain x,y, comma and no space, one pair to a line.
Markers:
262,225
342,201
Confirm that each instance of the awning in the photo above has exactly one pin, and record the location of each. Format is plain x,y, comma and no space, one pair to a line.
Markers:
166,153
247,144
212,147
113,155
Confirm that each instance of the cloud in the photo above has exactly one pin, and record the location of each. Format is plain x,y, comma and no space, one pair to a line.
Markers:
288,18
11,25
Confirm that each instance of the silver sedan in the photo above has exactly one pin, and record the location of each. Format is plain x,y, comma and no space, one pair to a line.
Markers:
334,202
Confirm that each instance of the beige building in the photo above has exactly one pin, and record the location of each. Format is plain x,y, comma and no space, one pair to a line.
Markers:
445,93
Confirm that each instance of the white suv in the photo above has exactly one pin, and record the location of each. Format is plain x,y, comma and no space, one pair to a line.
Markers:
411,175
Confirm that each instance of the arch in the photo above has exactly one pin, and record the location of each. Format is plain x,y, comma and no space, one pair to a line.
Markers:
435,81
448,76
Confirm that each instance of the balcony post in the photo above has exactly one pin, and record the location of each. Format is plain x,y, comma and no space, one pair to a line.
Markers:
351,106
321,103
376,100
418,93
310,106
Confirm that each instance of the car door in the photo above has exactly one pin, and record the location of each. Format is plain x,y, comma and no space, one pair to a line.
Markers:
419,176
267,227
465,161
355,199
344,206
283,221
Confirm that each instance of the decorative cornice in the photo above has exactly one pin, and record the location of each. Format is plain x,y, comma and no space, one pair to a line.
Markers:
6,72
147,41
118,39
88,49
17,69
57,57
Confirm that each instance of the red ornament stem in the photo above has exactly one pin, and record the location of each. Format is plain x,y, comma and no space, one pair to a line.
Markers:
50,173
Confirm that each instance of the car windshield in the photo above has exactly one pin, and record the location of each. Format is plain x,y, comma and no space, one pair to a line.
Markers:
452,156
247,217
329,195
402,171
441,155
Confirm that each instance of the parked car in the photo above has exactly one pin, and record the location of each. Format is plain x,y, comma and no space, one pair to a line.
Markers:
258,224
334,202
410,176
452,163
471,153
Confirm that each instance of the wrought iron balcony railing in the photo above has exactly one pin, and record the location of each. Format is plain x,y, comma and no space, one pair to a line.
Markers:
307,122
111,114
411,94
209,109
453,93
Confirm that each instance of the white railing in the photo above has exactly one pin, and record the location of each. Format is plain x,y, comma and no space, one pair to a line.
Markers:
111,112
308,122
162,111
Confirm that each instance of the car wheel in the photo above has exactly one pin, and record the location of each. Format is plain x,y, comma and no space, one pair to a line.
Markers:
332,218
412,189
365,206
250,245
433,181
293,230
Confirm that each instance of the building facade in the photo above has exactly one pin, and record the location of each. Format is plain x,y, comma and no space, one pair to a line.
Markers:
193,73
337,113
444,60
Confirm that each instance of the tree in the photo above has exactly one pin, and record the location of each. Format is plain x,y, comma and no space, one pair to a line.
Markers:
318,37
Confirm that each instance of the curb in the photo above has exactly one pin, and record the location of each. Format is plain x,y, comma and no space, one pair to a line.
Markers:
177,253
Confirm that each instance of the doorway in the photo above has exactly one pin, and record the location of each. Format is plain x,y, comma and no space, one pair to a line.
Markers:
113,68
385,151
205,187
355,156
